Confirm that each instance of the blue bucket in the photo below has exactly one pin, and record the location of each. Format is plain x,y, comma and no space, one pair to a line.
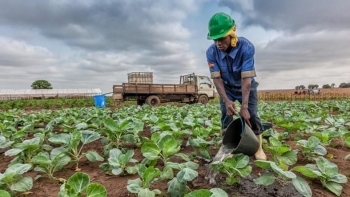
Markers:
100,101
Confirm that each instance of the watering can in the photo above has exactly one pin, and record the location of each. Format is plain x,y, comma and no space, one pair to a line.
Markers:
240,138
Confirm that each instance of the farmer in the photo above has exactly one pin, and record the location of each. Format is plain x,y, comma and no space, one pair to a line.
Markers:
231,64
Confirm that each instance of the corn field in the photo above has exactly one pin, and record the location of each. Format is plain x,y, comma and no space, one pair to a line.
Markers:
302,97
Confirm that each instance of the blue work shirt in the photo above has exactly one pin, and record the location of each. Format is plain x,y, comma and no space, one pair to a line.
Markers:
233,66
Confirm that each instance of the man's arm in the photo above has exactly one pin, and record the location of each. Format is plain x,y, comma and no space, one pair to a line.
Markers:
246,83
216,76
247,73
220,88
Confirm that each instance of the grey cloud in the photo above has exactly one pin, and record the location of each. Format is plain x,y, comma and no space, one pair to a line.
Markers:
305,76
312,42
102,25
293,16
304,51
118,62
105,62
29,63
107,39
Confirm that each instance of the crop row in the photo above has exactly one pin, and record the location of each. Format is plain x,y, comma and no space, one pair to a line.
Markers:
59,103
46,141
303,97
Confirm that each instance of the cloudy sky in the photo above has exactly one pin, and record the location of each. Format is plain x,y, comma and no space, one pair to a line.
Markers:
94,44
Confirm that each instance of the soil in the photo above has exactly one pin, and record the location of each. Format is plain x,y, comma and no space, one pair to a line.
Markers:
116,185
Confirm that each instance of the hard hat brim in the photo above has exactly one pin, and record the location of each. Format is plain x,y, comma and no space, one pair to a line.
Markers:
209,37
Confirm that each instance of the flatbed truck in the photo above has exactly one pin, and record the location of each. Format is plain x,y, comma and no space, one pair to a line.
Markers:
191,89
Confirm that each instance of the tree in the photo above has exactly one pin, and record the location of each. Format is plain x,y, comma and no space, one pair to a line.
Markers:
41,84
302,87
332,86
297,87
344,85
326,86
312,86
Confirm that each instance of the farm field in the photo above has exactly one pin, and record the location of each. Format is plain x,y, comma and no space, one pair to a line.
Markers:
61,148
289,95
291,91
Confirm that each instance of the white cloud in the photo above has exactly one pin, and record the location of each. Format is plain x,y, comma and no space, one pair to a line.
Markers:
99,42
303,76
18,53
308,58
307,50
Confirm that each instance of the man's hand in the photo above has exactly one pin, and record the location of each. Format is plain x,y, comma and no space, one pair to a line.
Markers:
230,107
245,115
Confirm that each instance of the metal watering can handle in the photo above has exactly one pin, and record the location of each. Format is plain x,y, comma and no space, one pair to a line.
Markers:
237,114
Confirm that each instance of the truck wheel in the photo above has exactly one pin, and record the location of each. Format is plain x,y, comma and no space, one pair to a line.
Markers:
203,99
153,101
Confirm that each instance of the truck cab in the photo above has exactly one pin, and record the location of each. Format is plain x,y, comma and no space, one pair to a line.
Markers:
204,86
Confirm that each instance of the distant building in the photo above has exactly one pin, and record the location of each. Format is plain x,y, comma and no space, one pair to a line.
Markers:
13,94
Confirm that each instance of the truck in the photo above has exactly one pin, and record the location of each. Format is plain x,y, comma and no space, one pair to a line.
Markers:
191,89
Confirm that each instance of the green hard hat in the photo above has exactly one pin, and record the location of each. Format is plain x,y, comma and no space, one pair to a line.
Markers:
219,24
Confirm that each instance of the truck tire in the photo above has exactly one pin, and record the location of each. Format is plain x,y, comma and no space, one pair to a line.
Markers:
203,99
153,101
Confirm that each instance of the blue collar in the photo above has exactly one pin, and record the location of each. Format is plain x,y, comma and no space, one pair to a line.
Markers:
232,54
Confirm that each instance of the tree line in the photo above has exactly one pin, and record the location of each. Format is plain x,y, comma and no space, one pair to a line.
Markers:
344,85
43,84
325,86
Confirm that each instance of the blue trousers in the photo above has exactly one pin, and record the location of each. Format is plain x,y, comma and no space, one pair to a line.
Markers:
236,94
